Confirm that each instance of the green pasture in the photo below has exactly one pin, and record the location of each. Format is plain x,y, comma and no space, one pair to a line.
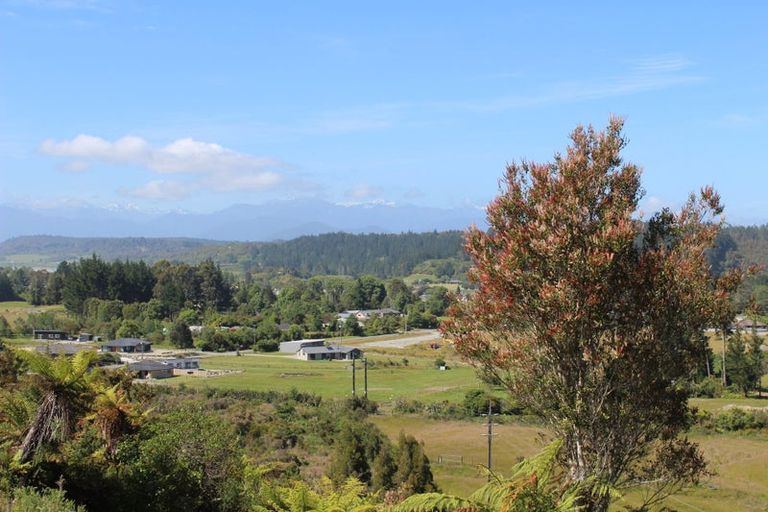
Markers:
739,462
333,379
720,404
12,310
452,441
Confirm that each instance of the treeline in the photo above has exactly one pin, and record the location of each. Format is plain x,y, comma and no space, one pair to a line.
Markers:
382,255
172,285
112,445
162,302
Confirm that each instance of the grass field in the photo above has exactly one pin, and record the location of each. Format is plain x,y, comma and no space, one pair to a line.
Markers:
718,404
12,310
740,463
333,379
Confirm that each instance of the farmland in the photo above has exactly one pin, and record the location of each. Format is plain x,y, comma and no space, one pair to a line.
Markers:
738,462
457,447
389,377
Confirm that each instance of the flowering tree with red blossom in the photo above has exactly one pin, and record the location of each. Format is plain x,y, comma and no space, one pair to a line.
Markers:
593,318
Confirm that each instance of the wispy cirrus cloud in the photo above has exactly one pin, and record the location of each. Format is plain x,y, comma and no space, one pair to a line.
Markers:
643,75
210,166
89,5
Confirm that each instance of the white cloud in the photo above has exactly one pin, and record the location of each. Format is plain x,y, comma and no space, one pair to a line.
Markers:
75,166
362,191
87,147
214,166
160,190
651,204
230,182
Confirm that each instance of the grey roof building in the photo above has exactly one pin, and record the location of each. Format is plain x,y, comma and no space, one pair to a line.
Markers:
127,345
292,347
63,349
328,352
151,370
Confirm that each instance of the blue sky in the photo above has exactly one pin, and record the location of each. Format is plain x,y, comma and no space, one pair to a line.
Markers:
200,105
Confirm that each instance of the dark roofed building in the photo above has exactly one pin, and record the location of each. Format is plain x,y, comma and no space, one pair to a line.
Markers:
151,370
49,334
127,345
328,352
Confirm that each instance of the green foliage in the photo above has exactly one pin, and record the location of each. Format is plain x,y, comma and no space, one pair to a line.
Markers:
5,328
94,278
438,300
734,419
180,335
362,452
6,287
382,255
265,495
743,362
357,446
130,329
27,499
186,460
413,471
63,386
708,387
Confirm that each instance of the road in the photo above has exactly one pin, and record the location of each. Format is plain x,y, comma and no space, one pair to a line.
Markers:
403,342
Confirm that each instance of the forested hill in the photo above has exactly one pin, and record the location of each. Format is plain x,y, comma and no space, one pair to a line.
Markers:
48,251
384,255
377,254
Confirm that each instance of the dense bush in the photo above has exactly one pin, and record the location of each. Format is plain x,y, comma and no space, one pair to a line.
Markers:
26,499
709,387
735,419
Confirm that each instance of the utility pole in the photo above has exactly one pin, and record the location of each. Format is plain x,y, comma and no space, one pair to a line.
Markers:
365,376
490,435
353,376
725,378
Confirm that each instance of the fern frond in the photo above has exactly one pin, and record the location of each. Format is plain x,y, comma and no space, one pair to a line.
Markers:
436,502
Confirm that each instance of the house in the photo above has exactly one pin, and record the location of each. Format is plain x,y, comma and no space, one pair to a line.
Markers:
747,325
127,345
84,336
49,334
151,370
366,314
62,349
182,363
291,347
328,352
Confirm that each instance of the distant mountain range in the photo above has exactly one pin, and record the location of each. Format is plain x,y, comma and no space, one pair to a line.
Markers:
266,222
